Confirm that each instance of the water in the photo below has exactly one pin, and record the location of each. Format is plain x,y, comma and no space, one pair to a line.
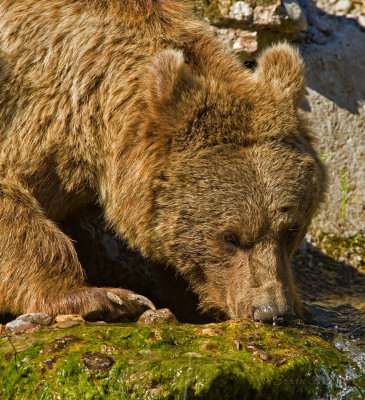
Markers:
340,320
344,326
330,274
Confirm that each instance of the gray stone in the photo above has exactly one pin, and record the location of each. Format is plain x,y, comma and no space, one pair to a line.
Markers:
241,11
18,327
266,17
161,316
336,107
27,323
343,6
361,20
40,319
243,43
295,13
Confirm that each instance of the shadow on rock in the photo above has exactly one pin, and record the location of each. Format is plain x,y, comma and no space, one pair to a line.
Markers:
334,53
333,291
109,262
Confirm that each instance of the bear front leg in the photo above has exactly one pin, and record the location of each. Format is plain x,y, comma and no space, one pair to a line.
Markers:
40,271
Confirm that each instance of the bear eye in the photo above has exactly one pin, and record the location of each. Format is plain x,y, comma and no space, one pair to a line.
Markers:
230,240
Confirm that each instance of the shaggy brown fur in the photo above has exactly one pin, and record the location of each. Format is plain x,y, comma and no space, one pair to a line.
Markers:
196,162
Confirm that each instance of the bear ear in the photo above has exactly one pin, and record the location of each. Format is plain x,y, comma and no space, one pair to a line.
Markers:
281,68
171,84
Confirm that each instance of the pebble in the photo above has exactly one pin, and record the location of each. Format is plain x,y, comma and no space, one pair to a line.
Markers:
28,323
361,20
69,317
208,332
342,6
296,14
40,319
18,327
237,345
64,321
161,316
241,11
264,356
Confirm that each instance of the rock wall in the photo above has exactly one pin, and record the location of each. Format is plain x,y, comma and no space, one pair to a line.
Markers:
334,53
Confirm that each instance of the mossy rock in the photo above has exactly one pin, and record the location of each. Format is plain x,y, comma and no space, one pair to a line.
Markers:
230,360
344,249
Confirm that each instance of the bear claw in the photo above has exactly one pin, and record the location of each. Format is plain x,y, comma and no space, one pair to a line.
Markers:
106,304
143,301
114,298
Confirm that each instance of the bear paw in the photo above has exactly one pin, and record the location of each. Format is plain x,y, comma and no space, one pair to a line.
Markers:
103,304
119,305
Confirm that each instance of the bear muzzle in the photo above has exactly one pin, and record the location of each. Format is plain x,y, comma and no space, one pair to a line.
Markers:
273,313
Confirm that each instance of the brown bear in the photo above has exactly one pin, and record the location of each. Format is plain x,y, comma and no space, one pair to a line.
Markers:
197,162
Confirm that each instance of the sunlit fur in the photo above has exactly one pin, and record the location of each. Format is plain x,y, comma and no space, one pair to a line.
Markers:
135,105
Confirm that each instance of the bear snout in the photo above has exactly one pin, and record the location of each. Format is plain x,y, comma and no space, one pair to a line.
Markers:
273,313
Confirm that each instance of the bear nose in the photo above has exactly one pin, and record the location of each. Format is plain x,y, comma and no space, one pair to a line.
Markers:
273,313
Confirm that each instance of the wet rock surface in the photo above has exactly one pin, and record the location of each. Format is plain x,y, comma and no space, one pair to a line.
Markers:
329,274
97,362
60,343
230,360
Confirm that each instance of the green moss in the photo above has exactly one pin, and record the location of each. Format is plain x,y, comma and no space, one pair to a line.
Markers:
264,3
345,189
217,361
210,9
349,249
